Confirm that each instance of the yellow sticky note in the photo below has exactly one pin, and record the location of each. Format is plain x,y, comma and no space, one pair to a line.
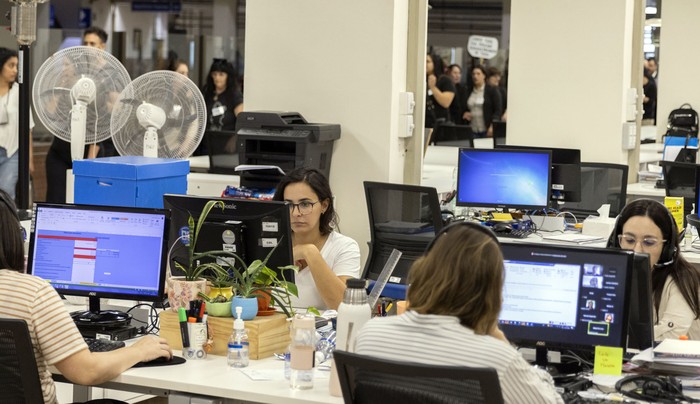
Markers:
608,361
501,216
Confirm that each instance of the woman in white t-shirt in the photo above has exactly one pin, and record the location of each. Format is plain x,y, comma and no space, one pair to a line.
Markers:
325,257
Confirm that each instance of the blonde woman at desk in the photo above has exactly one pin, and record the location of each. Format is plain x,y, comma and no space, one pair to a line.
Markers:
57,340
326,258
456,295
647,226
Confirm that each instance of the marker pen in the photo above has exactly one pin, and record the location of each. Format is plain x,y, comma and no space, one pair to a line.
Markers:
182,316
201,312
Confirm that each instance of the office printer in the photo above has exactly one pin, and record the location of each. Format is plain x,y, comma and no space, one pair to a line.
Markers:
282,139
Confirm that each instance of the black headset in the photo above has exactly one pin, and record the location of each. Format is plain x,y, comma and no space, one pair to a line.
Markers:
669,253
652,389
474,225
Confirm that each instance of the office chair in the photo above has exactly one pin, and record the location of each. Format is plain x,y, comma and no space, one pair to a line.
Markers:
18,371
402,217
601,183
222,150
370,380
453,135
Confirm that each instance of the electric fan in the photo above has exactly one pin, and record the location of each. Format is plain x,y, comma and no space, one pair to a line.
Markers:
74,92
159,114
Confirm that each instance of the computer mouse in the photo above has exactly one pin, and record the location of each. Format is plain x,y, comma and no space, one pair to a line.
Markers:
502,227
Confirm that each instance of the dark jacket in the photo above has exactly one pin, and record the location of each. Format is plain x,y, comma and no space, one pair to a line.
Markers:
493,109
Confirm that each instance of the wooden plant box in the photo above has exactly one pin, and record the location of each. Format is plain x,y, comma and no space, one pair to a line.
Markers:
266,334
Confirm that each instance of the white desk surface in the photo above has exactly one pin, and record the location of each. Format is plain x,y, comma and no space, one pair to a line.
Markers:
211,377
644,189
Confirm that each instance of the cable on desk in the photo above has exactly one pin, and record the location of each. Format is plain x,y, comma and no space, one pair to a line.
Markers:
151,326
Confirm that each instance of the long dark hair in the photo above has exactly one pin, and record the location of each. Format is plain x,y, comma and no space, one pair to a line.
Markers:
220,65
319,183
684,274
11,242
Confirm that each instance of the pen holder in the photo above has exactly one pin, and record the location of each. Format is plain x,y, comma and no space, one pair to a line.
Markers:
198,337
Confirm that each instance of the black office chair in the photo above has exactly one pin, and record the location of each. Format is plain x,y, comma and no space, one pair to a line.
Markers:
18,371
402,217
222,150
601,183
370,380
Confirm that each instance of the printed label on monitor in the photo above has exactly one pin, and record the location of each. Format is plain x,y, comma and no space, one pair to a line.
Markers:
268,242
270,226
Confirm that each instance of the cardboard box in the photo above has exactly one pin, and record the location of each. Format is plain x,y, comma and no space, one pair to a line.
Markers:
134,181
266,334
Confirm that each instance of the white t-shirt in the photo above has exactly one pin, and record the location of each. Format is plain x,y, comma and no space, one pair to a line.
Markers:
9,138
342,254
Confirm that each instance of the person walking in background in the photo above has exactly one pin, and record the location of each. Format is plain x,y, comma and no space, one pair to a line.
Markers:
459,103
9,123
493,78
483,104
440,93
223,99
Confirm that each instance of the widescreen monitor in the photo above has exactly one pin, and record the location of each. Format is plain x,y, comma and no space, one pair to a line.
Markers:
249,228
519,179
562,297
99,252
566,171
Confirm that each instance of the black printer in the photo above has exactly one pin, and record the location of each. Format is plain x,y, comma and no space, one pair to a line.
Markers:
282,139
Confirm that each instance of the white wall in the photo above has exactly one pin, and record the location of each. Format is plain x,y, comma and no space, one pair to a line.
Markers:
570,63
678,79
335,61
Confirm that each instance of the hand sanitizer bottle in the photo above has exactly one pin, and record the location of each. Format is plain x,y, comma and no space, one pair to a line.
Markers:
238,349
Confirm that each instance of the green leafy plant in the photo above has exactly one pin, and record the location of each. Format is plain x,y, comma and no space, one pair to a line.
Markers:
193,269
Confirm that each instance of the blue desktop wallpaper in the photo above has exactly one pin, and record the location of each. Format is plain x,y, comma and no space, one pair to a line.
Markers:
503,178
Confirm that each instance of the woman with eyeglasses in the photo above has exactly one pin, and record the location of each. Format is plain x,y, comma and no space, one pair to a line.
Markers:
647,226
326,258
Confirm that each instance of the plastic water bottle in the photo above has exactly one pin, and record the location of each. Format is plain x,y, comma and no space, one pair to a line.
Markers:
353,313
238,348
301,375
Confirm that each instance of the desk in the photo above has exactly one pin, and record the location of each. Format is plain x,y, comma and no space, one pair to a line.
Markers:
211,377
199,164
645,189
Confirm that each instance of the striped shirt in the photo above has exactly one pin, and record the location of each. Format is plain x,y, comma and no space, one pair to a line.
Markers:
54,334
442,340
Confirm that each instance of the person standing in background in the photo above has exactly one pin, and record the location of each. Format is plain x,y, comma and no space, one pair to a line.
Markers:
440,93
483,104
459,103
58,158
494,79
9,122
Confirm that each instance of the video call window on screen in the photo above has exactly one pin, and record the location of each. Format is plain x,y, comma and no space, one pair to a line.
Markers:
569,297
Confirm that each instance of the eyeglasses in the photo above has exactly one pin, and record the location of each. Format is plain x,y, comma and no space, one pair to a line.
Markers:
305,207
628,242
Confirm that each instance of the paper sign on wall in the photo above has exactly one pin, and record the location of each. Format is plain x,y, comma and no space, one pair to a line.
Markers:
484,47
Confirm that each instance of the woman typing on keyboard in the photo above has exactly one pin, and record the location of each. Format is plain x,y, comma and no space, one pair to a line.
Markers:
56,339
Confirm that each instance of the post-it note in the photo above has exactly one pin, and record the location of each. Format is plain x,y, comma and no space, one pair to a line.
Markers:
608,361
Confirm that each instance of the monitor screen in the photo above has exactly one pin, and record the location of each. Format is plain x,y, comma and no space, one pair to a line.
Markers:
249,228
566,171
498,178
565,297
99,251
680,179
641,308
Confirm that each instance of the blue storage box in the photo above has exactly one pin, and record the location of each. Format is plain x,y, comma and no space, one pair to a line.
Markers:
129,180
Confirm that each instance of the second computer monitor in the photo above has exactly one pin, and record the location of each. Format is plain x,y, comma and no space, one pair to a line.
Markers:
565,297
502,178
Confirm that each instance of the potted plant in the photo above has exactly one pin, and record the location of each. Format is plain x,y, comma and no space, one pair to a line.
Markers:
183,289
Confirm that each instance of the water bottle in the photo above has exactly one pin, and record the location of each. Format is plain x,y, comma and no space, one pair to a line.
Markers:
238,348
353,313
301,350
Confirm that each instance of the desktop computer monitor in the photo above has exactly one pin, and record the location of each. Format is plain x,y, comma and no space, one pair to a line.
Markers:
566,171
565,298
641,308
501,178
100,252
680,179
248,228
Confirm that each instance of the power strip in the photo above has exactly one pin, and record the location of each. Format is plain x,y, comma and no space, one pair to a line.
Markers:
548,223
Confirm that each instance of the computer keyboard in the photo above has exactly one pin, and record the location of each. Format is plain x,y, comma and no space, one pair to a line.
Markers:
103,345
514,233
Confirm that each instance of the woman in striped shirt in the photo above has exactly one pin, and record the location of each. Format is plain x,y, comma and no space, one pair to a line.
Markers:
54,335
455,299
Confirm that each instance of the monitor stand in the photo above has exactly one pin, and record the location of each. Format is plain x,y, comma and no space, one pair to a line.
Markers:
94,317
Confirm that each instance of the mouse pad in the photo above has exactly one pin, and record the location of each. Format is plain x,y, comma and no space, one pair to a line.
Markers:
177,360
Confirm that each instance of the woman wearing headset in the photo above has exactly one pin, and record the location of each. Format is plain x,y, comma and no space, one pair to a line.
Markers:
647,226
455,298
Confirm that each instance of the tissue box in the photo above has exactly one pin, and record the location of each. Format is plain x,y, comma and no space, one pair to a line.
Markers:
134,181
598,226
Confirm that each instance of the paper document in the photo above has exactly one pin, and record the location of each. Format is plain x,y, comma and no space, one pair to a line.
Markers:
251,167
574,238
